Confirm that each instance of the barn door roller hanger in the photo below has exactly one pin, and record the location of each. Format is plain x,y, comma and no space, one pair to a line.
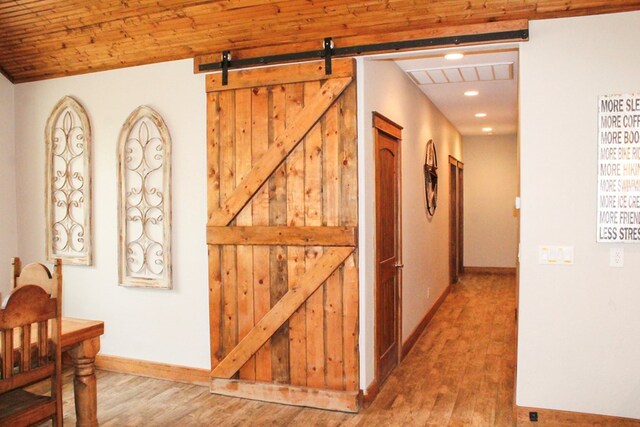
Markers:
328,51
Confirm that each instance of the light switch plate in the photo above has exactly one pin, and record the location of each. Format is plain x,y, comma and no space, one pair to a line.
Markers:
555,255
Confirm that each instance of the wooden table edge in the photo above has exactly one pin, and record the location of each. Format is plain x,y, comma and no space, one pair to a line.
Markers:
87,329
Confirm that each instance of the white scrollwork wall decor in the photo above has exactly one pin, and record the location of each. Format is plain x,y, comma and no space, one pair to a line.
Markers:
68,183
144,202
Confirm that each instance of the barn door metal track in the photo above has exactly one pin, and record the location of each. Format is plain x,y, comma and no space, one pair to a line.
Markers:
328,51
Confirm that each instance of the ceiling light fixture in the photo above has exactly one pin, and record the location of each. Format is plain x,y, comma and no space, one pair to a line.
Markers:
481,114
453,56
487,129
471,93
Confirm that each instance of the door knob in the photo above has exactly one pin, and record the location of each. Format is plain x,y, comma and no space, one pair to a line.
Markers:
398,265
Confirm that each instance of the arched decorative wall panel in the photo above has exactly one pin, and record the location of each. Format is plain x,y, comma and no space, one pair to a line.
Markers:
68,183
144,201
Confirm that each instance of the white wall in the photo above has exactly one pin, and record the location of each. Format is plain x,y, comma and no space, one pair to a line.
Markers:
579,330
9,246
490,188
384,88
172,326
168,326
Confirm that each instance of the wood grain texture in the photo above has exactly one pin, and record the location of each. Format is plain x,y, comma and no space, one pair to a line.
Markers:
298,396
281,311
30,325
333,308
286,235
347,128
77,330
51,38
278,254
388,245
295,219
467,351
278,151
362,37
157,370
313,190
279,221
260,212
243,157
227,184
408,344
295,73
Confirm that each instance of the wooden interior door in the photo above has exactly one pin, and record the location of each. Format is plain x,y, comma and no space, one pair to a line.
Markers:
456,220
388,247
282,234
460,200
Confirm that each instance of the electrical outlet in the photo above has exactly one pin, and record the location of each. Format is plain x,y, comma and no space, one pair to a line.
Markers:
428,293
616,257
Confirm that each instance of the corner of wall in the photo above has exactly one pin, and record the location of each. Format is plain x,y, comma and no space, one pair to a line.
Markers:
8,208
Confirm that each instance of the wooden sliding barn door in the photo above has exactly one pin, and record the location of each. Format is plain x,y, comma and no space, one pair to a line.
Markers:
282,235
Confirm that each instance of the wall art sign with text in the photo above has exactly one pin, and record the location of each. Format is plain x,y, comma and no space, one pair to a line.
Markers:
619,168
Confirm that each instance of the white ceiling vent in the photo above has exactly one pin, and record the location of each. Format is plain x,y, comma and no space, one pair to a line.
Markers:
467,73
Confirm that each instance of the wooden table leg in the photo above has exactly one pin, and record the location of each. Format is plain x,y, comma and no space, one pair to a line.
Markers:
83,356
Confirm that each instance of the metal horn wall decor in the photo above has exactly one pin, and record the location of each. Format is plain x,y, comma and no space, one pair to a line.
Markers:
144,202
68,183
431,177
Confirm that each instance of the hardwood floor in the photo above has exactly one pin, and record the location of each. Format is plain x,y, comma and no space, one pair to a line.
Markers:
460,373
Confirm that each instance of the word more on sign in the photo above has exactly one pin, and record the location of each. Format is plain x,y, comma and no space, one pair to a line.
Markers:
619,168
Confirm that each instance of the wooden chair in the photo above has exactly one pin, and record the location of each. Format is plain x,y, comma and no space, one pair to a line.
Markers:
30,347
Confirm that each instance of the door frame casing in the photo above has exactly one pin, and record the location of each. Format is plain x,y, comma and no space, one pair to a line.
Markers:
382,124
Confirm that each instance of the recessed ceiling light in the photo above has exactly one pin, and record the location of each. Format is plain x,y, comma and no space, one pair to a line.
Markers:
487,129
481,114
471,93
453,56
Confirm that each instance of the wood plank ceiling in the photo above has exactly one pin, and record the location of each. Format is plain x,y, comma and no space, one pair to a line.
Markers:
41,39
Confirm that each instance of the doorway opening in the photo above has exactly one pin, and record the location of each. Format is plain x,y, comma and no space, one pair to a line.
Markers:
474,229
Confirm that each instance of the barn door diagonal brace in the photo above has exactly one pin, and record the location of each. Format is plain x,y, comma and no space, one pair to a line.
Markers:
299,292
278,151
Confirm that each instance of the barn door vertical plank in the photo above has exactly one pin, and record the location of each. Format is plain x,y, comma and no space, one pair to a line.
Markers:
295,254
313,217
278,254
260,213
244,253
213,203
333,292
227,184
349,217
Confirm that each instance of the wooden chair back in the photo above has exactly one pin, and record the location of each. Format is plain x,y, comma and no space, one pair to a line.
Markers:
34,273
30,346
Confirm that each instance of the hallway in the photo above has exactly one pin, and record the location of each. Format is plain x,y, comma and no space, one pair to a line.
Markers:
461,370
460,373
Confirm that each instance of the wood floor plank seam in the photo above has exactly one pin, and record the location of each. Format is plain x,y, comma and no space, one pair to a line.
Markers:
458,373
